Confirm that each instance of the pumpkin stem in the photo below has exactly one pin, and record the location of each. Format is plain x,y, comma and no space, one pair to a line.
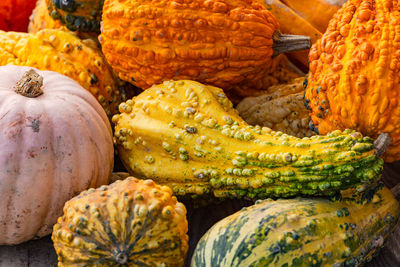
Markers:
121,258
381,144
284,43
30,84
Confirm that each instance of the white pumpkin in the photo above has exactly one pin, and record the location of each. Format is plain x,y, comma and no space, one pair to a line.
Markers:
54,144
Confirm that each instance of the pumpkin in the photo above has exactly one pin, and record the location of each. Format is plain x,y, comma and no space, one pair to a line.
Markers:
300,232
77,15
14,14
224,43
187,135
353,81
65,53
280,108
129,223
55,142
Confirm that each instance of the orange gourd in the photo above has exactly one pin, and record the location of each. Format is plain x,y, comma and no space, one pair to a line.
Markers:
317,12
224,43
353,81
14,14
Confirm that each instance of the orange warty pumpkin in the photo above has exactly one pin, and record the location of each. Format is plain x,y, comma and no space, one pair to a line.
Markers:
224,43
354,77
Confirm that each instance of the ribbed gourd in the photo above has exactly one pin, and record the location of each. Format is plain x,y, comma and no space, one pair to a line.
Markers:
353,81
300,232
129,223
63,52
187,135
226,43
280,107
77,15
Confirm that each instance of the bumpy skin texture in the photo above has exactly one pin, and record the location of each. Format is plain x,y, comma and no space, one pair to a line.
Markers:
354,81
52,147
14,14
188,136
77,15
281,108
225,43
300,232
65,53
132,219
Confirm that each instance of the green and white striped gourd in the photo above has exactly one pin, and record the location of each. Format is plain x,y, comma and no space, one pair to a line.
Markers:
300,232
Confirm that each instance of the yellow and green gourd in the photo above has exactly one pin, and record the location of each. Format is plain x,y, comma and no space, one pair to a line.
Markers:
188,136
300,232
129,223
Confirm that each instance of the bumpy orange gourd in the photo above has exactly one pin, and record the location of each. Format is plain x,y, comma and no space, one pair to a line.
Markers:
63,52
224,43
129,223
354,77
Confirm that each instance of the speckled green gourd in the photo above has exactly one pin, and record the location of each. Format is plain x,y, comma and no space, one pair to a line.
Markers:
300,232
187,135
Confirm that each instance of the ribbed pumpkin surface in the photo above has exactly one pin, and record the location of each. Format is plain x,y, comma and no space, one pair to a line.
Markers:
129,223
300,232
52,147
354,81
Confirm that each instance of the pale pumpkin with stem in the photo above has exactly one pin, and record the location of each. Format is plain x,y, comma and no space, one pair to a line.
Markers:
56,141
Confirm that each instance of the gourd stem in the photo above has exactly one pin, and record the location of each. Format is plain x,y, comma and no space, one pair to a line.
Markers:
30,85
121,258
284,43
381,144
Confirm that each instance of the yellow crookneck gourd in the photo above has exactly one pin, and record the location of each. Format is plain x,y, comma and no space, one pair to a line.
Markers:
187,135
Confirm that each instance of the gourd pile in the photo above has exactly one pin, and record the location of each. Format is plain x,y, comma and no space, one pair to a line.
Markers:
156,83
